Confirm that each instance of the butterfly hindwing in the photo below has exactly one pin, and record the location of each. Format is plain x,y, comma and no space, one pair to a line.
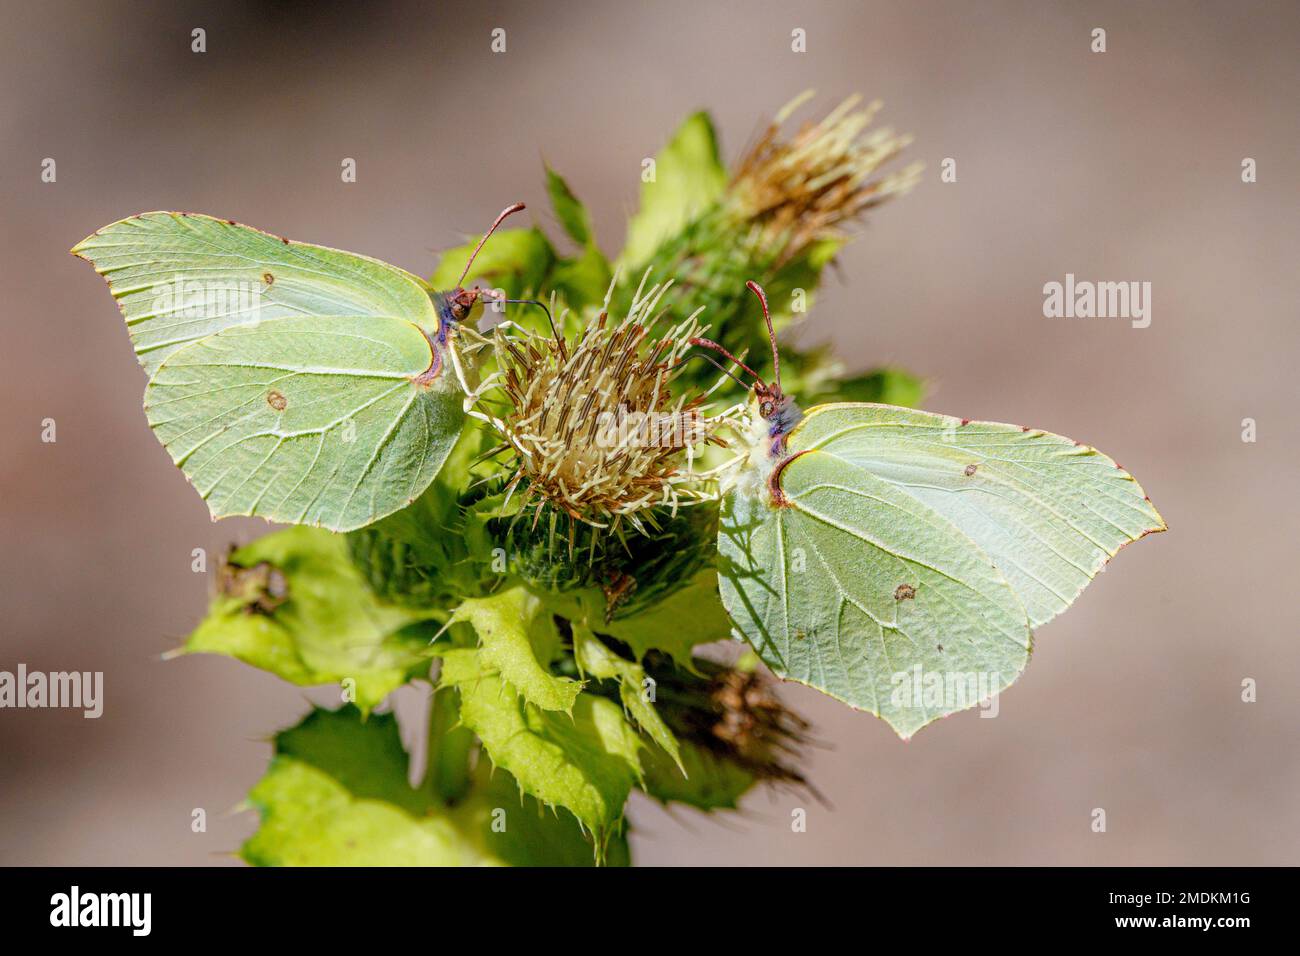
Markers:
309,420
181,276
862,591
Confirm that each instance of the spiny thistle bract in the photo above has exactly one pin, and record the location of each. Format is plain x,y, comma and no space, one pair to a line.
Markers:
594,426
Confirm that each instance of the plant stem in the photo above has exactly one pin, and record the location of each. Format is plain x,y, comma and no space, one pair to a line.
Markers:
449,747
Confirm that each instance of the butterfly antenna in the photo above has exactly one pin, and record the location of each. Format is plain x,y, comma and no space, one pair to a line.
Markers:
708,358
757,289
489,294
710,344
508,211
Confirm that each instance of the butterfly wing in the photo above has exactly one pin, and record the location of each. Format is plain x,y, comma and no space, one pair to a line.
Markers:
1047,511
329,421
907,555
179,277
860,590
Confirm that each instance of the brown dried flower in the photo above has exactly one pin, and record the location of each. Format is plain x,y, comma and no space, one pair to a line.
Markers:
734,714
799,190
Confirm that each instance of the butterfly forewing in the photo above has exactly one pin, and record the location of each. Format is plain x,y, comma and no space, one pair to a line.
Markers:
1047,511
310,420
864,592
181,276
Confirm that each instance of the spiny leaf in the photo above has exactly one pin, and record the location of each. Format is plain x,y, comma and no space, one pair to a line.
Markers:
363,753
518,640
311,819
594,658
337,794
586,763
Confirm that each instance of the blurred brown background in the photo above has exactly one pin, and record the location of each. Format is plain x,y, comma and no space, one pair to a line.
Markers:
1117,166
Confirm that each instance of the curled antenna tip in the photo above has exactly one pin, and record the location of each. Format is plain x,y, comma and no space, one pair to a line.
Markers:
757,289
508,211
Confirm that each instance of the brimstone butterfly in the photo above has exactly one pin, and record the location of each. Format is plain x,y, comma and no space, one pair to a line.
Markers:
896,559
290,381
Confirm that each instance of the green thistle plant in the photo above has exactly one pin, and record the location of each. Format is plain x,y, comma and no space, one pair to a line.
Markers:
555,577
541,523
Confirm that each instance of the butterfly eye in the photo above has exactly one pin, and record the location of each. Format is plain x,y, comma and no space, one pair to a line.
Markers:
765,409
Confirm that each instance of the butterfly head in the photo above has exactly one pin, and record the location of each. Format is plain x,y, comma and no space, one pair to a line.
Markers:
775,409
459,302
456,306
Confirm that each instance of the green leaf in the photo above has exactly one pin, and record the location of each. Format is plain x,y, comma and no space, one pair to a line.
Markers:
518,640
701,780
689,177
571,213
586,763
332,422
324,628
180,277
594,658
515,261
533,835
583,281
908,554
337,794
363,753
883,386
311,819
803,272
688,616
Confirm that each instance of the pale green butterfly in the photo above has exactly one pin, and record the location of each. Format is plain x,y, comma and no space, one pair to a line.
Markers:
897,560
290,381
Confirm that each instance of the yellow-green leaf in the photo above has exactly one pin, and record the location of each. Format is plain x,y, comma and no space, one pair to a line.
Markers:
599,661
518,640
585,763
688,176
294,604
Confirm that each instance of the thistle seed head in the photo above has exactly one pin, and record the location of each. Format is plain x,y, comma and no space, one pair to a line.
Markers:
596,429
796,191
736,715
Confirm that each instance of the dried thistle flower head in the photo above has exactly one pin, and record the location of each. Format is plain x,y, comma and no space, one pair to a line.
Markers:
734,714
597,431
798,190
